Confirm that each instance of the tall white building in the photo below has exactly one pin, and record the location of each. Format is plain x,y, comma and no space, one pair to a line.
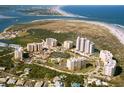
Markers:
84,45
109,63
75,63
78,43
92,46
105,56
87,46
109,69
30,47
34,47
18,54
39,46
51,42
68,44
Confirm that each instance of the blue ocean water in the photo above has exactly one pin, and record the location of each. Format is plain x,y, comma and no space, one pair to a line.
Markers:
109,14
17,17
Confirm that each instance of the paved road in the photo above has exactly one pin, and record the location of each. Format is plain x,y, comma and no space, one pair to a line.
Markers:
7,54
61,71
72,73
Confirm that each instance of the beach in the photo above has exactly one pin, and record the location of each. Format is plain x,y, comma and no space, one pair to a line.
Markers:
59,10
66,26
117,31
114,29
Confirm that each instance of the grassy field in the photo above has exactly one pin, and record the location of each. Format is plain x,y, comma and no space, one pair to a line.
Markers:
69,30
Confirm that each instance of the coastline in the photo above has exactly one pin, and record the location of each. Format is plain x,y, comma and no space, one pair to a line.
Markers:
59,10
64,13
113,29
105,36
116,30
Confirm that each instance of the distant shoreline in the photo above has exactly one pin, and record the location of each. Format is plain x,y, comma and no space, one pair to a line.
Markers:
116,31
113,29
64,13
59,10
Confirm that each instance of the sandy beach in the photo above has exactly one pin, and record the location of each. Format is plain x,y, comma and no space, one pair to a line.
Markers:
59,10
114,29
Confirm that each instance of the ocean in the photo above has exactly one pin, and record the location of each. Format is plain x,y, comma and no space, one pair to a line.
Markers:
108,14
17,18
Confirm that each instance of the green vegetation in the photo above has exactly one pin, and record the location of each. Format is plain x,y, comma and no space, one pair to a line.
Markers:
6,62
5,50
23,40
43,34
101,36
73,78
88,69
59,55
37,35
38,72
10,85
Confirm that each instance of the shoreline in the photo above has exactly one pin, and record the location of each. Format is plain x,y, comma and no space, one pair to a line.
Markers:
59,10
118,32
113,29
64,13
